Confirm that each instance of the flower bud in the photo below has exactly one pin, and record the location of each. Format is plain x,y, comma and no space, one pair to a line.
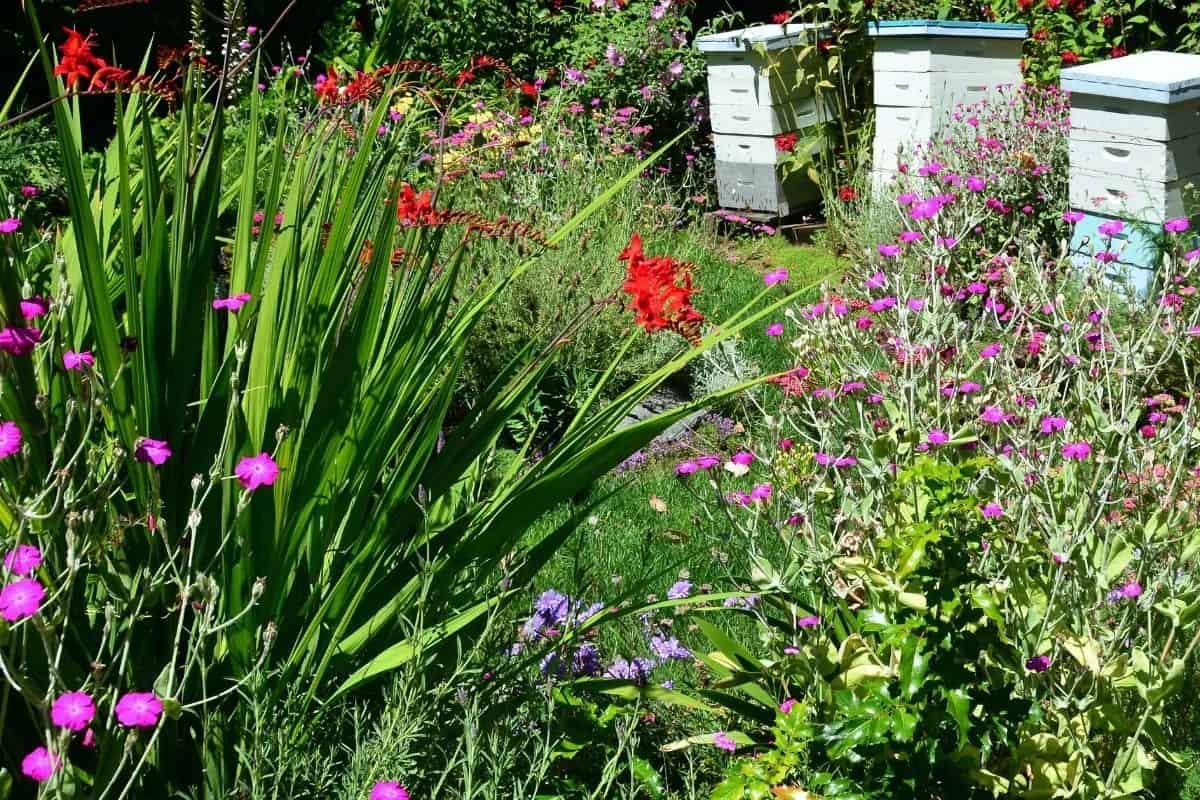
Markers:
256,591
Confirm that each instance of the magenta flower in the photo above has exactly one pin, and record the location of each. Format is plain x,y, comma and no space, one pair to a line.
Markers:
19,341
937,437
948,242
40,765
34,307
808,622
889,250
910,236
743,458
232,304
1192,255
73,710
1078,451
10,439
77,361
30,192
876,281
707,462
991,351
1111,228
761,491
255,471
775,276
846,461
785,444
993,415
1178,225
686,468
1051,425
388,790
21,599
152,451
992,510
969,387
10,225
23,560
139,710
722,741
824,459
1148,431
1060,558
775,329
786,706
1038,664
1072,217
975,183
915,304
882,304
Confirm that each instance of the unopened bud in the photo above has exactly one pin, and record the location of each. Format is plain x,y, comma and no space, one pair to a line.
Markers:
256,591
281,433
197,482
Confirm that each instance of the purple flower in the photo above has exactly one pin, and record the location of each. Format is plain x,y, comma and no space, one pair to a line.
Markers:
808,622
232,304
1178,225
743,458
976,183
637,670
889,250
1051,425
686,468
668,648
1111,228
152,451
10,225
679,590
775,276
78,361
707,462
937,437
992,510
882,304
23,560
761,491
722,741
991,351
1038,664
775,329
915,304
993,415
910,236
1078,451
876,281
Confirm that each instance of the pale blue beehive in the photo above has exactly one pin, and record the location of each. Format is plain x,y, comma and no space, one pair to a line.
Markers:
1134,150
923,68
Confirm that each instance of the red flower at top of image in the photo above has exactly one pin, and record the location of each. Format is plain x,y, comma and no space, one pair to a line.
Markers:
661,292
76,61
785,142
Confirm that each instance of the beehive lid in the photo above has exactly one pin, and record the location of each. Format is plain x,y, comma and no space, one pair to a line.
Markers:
937,27
1156,76
772,37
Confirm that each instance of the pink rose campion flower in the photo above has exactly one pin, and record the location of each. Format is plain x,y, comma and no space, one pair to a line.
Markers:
1178,225
21,599
775,276
73,710
937,437
1077,451
19,341
775,329
1060,558
743,458
915,304
889,250
993,415
10,225
30,192
876,281
232,304
388,790
34,307
707,462
910,236
808,622
1072,217
10,439
786,706
152,451
1038,664
1131,590
139,710
686,468
722,741
991,351
77,361
40,765
23,560
1111,228
993,510
1051,425
255,471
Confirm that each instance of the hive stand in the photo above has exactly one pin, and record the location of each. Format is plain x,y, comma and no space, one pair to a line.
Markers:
922,69
1134,147
756,92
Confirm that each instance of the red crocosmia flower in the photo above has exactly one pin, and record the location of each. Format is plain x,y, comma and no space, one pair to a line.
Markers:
1118,52
528,89
785,142
1041,34
1106,20
1024,5
76,61
781,17
661,292
847,194
415,209
326,87
1069,57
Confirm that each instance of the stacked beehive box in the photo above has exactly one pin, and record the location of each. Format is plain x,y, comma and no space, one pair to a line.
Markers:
1135,144
757,92
923,68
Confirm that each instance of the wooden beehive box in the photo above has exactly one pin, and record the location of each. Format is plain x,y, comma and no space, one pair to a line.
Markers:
758,91
923,68
1134,146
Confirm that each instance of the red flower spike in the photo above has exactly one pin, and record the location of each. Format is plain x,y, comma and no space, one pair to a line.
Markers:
660,290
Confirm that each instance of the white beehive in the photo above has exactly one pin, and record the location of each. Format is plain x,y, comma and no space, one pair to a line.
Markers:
756,92
923,68
1135,134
